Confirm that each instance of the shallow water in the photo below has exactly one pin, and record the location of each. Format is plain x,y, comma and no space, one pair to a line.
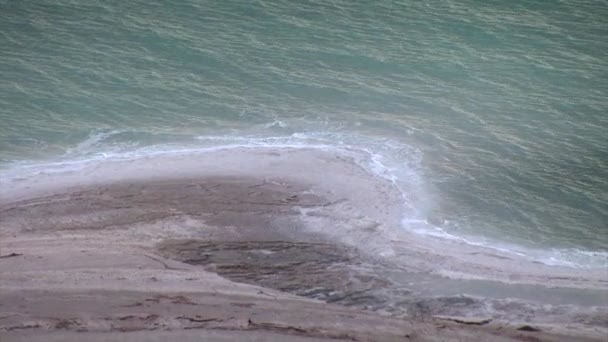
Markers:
490,118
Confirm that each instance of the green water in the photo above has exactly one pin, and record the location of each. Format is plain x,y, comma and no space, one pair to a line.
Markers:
491,115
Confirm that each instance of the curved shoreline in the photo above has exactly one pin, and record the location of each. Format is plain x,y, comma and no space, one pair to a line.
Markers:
368,159
325,170
129,225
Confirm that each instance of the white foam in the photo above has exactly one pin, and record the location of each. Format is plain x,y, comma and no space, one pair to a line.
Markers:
93,141
393,161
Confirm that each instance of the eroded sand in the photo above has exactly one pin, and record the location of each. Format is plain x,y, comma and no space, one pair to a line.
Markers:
247,244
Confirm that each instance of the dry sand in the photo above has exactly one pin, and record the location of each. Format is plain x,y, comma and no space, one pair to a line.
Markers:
251,245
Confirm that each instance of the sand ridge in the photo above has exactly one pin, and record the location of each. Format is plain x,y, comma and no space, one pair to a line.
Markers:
226,243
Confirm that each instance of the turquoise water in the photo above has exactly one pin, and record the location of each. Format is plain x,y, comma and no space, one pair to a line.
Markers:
490,115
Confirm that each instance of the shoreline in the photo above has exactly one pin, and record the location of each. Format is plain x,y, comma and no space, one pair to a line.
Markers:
188,224
24,179
186,164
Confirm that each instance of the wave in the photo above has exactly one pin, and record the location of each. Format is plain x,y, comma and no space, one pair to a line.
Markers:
396,162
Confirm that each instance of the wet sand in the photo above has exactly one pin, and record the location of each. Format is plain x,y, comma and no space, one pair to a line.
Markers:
263,244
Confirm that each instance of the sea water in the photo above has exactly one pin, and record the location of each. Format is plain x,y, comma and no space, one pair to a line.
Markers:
489,116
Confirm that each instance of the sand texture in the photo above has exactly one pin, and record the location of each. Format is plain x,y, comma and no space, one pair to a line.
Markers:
254,245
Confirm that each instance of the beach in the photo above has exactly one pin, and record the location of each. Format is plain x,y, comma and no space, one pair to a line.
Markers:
278,170
254,244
